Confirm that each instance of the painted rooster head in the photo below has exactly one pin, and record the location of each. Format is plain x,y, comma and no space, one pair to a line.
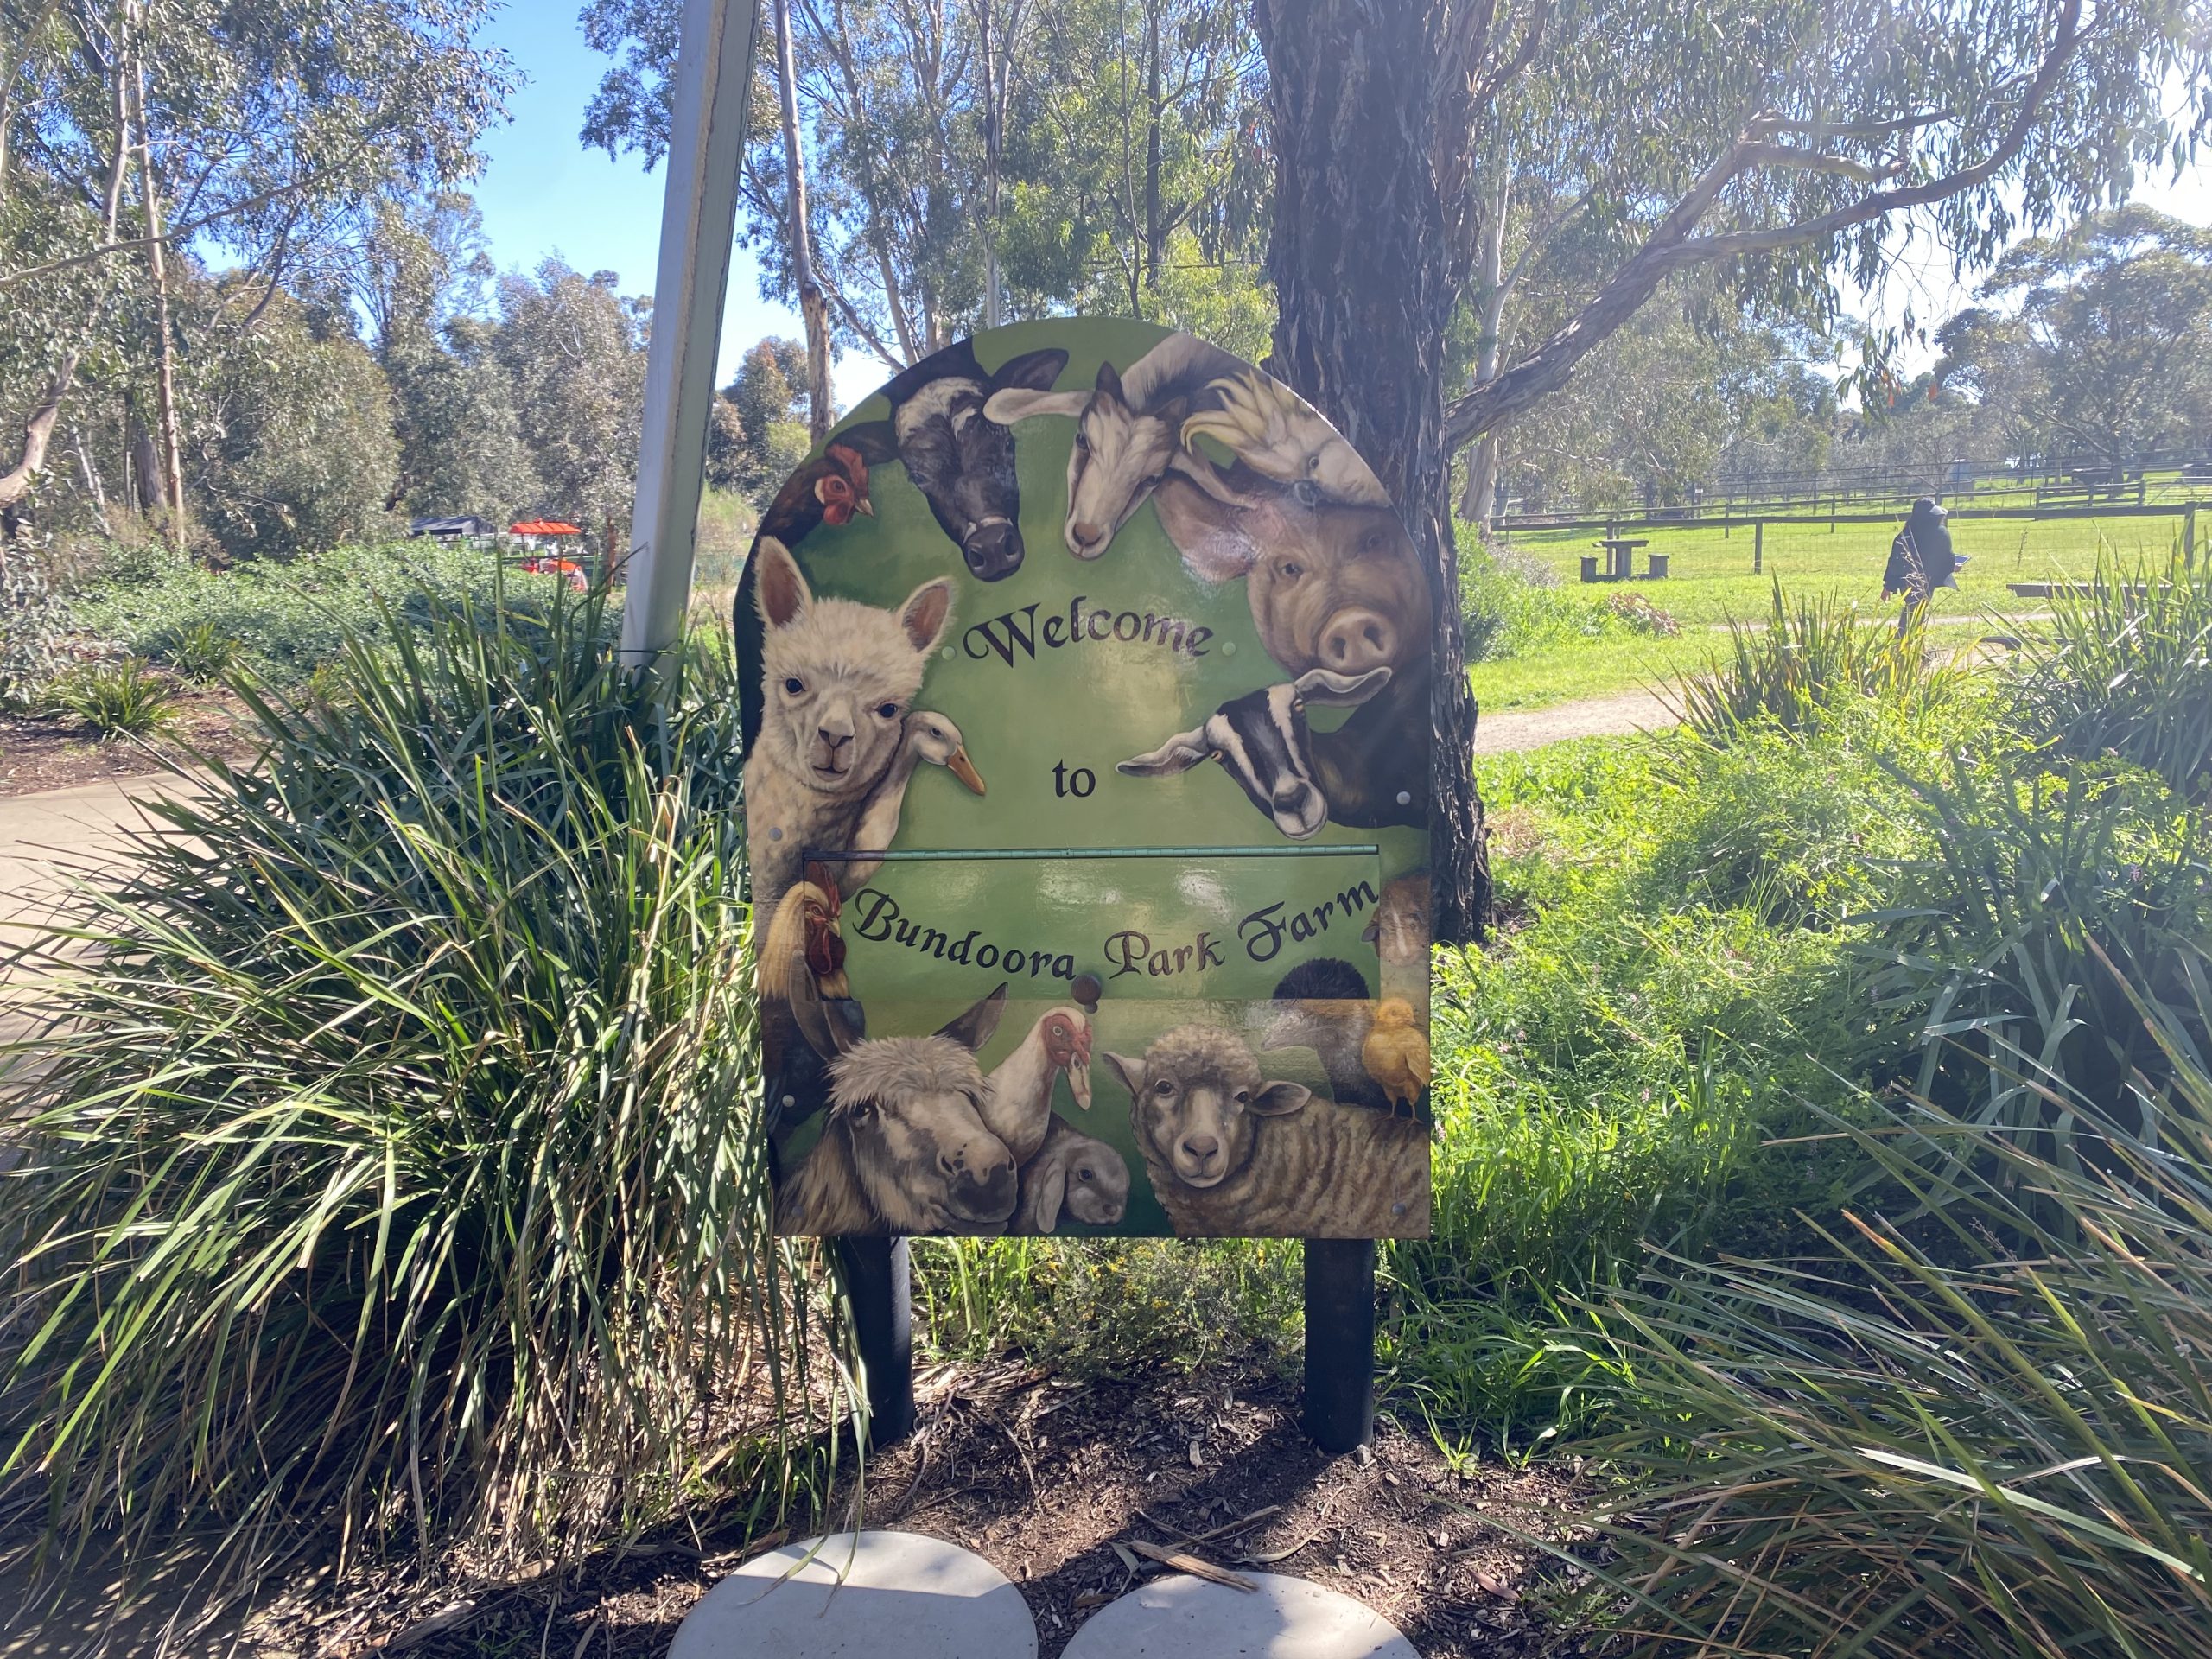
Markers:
825,940
843,488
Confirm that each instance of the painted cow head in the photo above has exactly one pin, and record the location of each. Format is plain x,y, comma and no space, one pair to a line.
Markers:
958,457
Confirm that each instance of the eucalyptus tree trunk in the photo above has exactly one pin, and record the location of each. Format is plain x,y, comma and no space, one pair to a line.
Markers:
813,307
37,428
1478,502
172,450
1371,247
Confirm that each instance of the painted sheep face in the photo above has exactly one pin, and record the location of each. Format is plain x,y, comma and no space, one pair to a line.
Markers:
837,676
1332,585
912,1108
1195,1101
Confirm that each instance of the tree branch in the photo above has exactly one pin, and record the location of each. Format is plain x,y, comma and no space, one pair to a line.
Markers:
176,232
1673,244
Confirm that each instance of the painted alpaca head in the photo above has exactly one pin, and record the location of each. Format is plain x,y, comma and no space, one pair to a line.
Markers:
837,676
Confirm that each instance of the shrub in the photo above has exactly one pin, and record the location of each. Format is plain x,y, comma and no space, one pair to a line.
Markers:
288,618
34,625
1983,949
124,699
202,651
1643,617
391,1177
1809,658
1509,605
1981,1429
2125,670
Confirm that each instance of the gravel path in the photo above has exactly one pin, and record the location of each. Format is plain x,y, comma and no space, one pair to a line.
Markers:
1531,729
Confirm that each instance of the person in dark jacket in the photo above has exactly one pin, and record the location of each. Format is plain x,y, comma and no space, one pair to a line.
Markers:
1920,559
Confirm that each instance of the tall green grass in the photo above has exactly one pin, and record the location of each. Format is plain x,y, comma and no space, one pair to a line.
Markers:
386,1174
124,699
1811,655
2124,670
1983,1426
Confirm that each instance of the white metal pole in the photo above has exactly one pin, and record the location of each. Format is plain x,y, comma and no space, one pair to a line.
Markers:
698,224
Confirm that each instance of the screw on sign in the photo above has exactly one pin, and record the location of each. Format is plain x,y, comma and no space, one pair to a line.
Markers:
1085,675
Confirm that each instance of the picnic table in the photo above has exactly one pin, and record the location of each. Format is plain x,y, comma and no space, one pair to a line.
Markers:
1620,559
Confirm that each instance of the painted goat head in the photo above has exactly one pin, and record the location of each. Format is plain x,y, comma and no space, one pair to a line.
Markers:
1261,740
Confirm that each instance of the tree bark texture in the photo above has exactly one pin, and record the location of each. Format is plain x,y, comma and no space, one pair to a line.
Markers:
820,412
38,425
157,267
1371,250
1479,501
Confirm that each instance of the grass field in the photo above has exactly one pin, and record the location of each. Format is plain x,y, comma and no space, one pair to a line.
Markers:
1711,580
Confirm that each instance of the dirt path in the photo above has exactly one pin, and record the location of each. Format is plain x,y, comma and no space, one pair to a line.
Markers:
1531,729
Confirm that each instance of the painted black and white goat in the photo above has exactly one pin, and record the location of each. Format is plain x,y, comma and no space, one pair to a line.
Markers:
1263,741
955,455
1129,432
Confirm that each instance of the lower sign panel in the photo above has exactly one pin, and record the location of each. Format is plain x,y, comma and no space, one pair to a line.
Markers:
1239,1052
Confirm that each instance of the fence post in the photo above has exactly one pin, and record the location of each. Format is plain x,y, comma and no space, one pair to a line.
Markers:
1758,546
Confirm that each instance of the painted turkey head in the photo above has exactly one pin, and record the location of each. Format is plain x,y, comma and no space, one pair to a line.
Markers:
1067,1046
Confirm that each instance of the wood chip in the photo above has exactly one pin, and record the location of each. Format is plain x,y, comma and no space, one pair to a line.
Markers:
1191,1565
445,1619
1269,1557
1127,1559
1196,1462
1492,1585
1090,1598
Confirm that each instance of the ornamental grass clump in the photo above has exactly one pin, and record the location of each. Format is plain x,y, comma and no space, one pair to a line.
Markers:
2123,670
124,699
385,1175
1809,658
1981,1426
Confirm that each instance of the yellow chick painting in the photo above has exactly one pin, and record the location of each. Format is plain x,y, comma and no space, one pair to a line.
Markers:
1396,1051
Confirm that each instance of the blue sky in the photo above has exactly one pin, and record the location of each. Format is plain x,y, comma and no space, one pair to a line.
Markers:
543,193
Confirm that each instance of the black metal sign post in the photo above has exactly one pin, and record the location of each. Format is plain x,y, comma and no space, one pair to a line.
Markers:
1340,1414
879,1282
1339,1343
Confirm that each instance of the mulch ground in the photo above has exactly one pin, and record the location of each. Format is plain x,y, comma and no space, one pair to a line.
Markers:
1044,1476
61,751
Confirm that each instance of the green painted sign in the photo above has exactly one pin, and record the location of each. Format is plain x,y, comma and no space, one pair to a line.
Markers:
1085,672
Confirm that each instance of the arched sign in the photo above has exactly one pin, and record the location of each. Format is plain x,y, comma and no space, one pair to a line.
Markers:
1086,685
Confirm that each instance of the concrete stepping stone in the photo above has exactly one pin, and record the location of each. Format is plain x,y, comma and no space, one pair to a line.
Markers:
862,1596
1182,1617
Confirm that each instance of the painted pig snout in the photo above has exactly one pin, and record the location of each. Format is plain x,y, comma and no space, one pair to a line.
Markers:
1356,639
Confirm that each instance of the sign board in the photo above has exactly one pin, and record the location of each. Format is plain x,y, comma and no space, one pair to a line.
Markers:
1086,673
